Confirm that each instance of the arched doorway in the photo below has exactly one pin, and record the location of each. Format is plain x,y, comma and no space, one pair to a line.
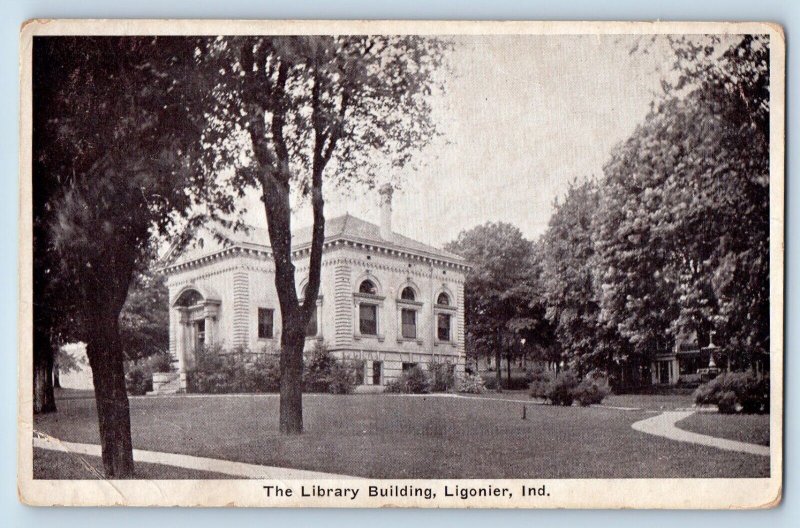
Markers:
195,326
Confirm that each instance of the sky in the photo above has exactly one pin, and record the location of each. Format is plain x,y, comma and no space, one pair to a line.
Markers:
521,117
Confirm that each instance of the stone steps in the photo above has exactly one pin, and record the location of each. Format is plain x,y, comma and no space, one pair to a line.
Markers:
166,383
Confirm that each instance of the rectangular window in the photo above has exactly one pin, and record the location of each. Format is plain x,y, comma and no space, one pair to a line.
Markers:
311,327
408,366
409,320
368,319
377,366
200,334
265,323
443,327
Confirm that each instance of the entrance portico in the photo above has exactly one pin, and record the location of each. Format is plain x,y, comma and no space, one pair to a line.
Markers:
197,316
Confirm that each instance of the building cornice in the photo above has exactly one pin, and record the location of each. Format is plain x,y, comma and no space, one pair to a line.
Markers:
263,253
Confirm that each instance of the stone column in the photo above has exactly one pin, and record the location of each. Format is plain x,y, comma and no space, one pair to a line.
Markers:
210,314
180,345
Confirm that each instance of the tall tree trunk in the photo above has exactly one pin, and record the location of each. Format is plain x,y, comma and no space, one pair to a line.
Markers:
44,399
113,411
291,366
499,369
508,370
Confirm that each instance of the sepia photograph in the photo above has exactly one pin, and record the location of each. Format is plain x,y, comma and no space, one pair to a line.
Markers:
429,264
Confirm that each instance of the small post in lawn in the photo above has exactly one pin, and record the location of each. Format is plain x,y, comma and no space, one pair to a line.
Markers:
524,412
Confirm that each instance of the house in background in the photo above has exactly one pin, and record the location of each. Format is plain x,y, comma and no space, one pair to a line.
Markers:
384,298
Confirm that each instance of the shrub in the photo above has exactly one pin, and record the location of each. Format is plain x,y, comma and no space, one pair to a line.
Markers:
592,389
161,362
732,392
219,372
442,376
318,367
490,382
541,379
341,379
411,381
139,380
472,384
562,390
263,374
324,373
139,373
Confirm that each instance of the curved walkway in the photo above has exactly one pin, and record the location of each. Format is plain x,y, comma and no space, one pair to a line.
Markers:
664,425
213,465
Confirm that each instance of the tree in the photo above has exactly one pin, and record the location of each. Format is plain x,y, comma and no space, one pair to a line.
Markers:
144,320
302,105
569,283
499,299
683,227
113,144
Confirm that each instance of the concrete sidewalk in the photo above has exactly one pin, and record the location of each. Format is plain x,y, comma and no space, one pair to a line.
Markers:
664,425
214,465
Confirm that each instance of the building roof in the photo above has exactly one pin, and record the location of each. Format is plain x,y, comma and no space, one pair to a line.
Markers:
346,227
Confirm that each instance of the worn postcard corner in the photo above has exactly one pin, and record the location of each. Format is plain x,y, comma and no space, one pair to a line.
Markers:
401,264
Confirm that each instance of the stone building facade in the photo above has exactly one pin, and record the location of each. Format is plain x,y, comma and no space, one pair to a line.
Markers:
384,298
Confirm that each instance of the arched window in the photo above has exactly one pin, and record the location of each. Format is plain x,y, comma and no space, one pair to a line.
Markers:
408,294
189,298
443,299
368,287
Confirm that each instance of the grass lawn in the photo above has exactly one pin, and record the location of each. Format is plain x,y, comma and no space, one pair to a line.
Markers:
652,402
751,428
393,436
57,465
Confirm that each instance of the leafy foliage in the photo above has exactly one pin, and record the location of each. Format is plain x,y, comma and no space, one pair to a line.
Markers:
288,108
217,371
569,282
501,302
144,320
682,230
592,389
411,381
561,391
732,392
541,380
116,131
472,383
325,373
442,376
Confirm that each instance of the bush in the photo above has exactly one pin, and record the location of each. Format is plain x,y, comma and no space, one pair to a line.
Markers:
139,380
562,390
592,389
139,373
472,384
442,376
411,381
732,392
341,379
318,367
219,372
325,373
161,362
541,379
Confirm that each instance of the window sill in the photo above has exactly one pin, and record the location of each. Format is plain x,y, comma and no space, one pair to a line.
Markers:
409,340
380,338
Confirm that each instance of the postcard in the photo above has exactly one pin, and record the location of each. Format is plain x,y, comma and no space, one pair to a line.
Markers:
401,264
